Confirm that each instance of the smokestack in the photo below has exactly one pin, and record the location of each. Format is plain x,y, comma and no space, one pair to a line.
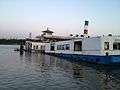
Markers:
86,28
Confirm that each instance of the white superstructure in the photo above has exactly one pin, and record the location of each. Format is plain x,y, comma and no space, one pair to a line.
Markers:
86,46
82,44
99,49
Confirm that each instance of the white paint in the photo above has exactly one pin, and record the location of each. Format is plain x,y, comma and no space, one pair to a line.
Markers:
90,46
41,46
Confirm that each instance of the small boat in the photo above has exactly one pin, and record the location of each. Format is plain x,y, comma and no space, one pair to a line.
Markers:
16,49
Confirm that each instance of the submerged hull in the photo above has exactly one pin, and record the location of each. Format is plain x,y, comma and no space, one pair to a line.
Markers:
108,60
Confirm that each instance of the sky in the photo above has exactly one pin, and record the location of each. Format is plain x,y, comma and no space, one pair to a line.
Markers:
18,18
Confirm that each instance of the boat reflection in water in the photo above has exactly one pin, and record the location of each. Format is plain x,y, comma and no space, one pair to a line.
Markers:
61,73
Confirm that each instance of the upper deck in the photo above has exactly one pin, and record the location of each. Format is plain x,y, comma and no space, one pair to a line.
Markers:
87,46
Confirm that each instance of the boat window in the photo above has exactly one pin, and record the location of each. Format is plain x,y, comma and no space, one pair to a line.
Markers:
67,47
77,46
41,47
30,45
106,45
52,48
37,47
34,47
63,47
58,47
116,46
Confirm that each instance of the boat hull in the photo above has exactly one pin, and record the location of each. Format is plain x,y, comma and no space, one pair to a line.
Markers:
108,60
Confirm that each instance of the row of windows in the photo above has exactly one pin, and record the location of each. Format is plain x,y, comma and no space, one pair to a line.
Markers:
63,47
35,47
116,46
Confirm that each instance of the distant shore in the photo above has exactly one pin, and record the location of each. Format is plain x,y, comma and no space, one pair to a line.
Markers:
12,41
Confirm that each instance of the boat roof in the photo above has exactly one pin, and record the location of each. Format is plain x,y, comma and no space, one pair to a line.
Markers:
48,31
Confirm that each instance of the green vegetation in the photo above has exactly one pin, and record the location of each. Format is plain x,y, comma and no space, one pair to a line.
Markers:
12,41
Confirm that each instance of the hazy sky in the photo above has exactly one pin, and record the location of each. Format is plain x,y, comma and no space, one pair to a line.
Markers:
19,17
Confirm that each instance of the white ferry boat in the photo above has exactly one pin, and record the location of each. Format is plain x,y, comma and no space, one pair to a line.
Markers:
99,49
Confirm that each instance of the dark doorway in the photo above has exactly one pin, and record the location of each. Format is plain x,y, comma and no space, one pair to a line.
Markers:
78,46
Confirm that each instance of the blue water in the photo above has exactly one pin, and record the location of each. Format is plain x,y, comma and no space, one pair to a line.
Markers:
43,72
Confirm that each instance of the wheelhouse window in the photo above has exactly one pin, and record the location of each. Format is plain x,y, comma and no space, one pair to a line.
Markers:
116,46
106,45
77,46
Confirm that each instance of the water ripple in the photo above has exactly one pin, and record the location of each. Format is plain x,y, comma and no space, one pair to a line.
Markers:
43,72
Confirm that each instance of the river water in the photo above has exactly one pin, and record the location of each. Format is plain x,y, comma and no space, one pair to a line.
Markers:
36,71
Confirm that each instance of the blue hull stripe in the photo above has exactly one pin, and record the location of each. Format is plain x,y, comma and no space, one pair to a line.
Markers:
113,59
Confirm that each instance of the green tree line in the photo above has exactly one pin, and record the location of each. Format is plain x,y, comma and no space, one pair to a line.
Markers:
12,41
